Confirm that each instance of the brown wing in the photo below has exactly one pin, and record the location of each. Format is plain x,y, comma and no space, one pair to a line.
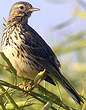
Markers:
38,48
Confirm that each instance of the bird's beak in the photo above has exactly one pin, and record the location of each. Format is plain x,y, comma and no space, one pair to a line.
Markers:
33,9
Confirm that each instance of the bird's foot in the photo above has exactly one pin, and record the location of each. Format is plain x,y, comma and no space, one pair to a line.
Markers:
26,85
29,86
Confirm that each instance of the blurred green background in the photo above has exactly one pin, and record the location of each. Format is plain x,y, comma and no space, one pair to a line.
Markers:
63,26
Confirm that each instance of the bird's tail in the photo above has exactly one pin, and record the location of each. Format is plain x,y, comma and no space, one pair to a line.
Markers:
64,82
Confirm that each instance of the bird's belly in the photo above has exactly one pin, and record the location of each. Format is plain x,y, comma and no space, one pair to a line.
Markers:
23,68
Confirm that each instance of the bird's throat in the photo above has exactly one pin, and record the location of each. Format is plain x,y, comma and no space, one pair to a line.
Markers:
17,20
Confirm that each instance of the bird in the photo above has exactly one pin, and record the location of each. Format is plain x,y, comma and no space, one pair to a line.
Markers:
28,52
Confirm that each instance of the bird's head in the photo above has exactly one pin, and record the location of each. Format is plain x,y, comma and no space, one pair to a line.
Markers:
20,12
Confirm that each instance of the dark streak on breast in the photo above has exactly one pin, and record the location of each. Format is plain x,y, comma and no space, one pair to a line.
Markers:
22,49
22,55
7,41
18,53
16,36
13,54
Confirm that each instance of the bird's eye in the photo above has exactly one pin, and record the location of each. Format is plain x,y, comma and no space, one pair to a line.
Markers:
22,7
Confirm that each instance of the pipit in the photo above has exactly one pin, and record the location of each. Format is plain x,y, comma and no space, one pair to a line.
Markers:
28,52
